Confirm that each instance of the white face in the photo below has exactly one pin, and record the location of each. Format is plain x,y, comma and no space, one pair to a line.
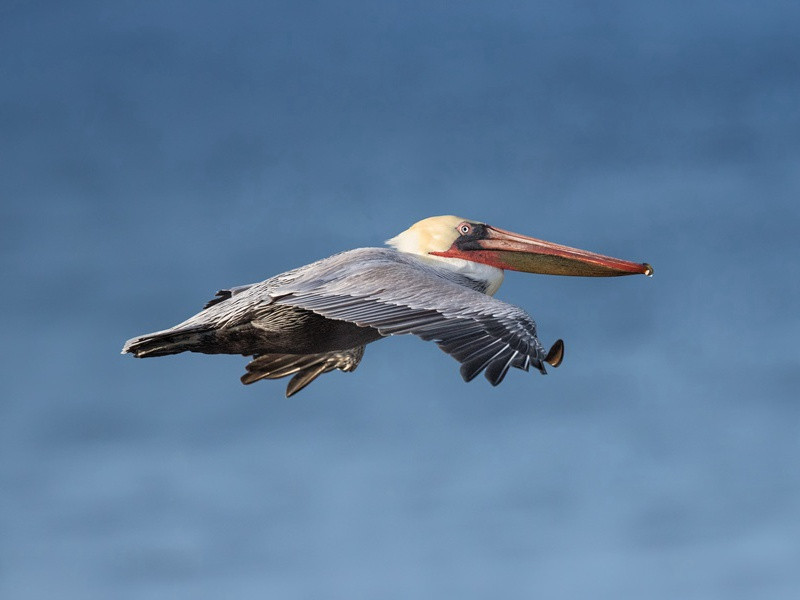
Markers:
437,234
434,234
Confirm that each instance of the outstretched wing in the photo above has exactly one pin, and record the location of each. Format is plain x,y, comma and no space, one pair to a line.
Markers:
408,296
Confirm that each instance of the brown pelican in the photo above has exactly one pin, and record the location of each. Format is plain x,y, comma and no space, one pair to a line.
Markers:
436,282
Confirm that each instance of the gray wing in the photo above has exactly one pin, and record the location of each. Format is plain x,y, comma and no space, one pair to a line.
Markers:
399,295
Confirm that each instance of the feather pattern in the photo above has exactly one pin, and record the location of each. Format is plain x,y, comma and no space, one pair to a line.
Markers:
304,367
402,294
317,318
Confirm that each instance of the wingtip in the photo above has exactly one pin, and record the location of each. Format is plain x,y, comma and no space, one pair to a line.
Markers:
556,354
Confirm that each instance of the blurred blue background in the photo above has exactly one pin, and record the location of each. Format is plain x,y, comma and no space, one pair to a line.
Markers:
153,152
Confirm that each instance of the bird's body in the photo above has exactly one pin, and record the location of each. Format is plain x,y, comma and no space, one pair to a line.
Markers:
317,318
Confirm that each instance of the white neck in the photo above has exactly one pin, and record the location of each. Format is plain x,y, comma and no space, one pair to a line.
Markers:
487,276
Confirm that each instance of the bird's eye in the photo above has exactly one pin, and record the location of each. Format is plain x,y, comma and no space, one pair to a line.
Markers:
464,228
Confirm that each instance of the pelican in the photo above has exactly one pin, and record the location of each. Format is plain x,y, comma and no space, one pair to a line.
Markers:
436,281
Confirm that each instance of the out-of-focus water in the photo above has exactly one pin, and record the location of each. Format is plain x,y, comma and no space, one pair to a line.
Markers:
151,153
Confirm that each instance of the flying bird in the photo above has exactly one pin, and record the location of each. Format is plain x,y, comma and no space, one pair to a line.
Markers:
436,281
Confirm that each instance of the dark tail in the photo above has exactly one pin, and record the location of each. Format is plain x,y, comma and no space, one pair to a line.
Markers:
166,342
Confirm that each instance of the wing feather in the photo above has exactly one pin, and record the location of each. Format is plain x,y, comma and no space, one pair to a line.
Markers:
478,361
403,295
497,370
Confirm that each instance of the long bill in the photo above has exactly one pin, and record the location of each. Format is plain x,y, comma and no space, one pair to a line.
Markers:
516,252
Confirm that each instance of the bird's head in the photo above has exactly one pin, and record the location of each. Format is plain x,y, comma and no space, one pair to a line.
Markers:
449,237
